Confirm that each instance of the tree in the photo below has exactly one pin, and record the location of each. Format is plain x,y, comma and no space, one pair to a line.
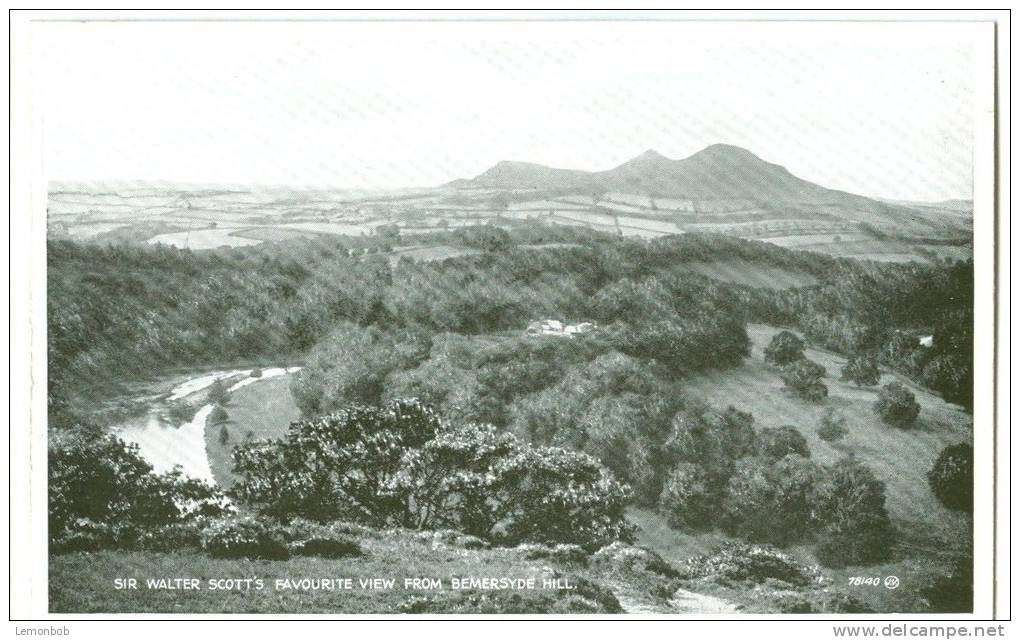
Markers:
833,426
101,479
897,406
779,442
771,500
803,377
952,477
352,365
388,231
862,370
218,393
688,498
784,348
850,505
219,415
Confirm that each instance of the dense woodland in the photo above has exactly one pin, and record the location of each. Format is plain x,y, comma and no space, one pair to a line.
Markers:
119,311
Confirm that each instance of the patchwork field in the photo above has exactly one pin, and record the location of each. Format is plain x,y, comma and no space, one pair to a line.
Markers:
202,220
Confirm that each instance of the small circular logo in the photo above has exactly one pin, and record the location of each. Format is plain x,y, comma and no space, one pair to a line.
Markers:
891,582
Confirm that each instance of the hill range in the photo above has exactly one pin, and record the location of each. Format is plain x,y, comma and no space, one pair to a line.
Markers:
720,189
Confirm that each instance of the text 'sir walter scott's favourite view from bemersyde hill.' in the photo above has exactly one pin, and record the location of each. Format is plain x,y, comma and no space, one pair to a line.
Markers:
497,318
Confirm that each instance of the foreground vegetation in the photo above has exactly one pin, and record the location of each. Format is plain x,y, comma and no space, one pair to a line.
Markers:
674,403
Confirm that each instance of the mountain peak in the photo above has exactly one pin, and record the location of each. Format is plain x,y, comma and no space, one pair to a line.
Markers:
651,154
720,150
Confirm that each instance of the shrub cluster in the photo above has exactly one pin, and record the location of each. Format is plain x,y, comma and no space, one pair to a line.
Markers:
242,538
802,376
951,477
102,494
737,563
764,488
402,466
897,406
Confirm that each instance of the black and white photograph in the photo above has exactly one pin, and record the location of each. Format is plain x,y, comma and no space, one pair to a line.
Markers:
530,315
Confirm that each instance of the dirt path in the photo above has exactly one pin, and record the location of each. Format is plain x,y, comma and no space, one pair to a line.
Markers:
683,602
690,602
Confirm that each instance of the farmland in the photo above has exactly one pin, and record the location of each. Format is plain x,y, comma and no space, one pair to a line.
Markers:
208,219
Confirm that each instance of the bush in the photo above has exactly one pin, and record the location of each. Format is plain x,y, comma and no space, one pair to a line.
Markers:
621,557
99,485
218,393
833,427
862,371
180,411
952,477
850,504
325,548
779,442
771,500
803,377
688,500
785,348
256,373
563,553
866,542
739,563
218,415
242,538
401,466
177,536
897,406
87,535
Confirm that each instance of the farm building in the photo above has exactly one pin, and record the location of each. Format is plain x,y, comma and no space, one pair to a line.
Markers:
557,328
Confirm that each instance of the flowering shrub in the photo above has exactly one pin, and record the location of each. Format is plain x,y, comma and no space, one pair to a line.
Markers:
401,466
688,500
101,492
242,538
565,553
737,562
84,534
176,536
619,556
325,548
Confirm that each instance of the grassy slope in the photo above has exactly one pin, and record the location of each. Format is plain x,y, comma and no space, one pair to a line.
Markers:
264,408
85,582
900,458
750,274
930,535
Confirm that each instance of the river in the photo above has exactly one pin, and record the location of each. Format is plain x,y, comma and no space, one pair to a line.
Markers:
165,445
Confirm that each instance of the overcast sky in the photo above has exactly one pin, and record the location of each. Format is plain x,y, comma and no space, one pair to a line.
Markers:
880,110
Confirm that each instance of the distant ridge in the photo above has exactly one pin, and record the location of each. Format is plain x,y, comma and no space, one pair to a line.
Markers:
717,172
